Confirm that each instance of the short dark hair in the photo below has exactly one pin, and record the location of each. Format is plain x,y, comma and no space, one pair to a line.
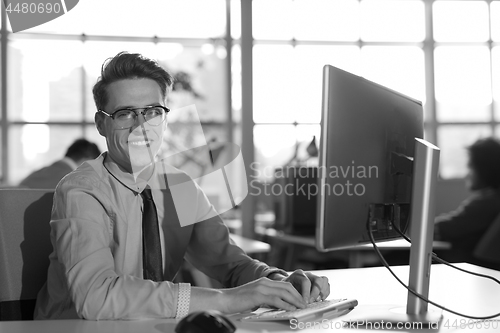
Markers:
129,66
484,158
82,148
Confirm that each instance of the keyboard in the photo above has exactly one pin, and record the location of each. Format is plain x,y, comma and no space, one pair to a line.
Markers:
328,308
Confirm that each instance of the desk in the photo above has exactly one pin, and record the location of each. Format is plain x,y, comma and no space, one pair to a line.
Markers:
250,246
372,287
356,256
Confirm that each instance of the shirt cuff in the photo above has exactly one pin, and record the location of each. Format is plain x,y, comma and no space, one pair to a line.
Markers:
183,300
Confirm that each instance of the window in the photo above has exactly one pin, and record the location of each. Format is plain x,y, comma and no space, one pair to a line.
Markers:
453,69
381,40
463,83
452,65
464,74
44,85
461,21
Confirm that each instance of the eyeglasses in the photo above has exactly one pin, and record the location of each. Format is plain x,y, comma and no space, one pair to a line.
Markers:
125,118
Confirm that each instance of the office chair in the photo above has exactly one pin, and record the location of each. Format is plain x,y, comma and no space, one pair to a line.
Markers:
24,249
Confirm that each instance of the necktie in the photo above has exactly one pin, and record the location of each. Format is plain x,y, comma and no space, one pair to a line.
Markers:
151,246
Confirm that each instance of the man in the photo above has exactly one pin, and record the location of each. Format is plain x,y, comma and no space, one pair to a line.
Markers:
48,177
109,262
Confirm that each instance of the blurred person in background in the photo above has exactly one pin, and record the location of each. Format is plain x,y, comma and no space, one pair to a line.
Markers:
465,226
47,177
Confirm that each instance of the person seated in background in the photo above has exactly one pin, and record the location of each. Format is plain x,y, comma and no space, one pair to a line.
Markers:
115,227
465,226
48,177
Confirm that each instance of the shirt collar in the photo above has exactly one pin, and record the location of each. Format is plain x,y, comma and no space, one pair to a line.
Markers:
69,162
126,178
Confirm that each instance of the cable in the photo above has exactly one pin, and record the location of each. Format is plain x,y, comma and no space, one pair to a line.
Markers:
384,262
444,262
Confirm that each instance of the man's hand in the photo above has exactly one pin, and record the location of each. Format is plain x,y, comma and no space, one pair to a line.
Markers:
312,287
279,294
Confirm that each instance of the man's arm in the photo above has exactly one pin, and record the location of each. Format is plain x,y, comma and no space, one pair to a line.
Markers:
212,251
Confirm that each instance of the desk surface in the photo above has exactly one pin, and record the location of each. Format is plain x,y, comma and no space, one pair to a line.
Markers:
250,246
372,287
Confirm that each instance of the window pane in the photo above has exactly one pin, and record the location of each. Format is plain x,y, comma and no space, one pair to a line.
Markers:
114,17
274,146
495,22
277,145
308,71
326,20
272,19
453,141
44,84
397,67
288,81
392,20
235,19
200,79
190,18
274,84
163,18
32,147
495,57
69,23
460,21
463,86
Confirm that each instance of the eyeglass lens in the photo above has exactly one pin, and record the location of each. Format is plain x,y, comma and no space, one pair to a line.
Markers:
153,116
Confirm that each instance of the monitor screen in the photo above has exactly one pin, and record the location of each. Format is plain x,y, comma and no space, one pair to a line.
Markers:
367,146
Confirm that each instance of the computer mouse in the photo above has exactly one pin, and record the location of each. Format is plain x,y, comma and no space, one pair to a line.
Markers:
209,321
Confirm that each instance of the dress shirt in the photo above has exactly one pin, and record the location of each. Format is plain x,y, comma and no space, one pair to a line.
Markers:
95,269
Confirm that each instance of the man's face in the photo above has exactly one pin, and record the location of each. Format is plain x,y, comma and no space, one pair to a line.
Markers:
132,148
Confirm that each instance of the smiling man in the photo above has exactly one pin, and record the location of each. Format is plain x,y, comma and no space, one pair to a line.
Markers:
115,230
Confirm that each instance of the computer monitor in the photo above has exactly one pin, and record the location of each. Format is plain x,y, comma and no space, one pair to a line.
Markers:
376,173
366,149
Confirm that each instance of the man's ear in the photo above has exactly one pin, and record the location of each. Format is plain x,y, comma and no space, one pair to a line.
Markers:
99,123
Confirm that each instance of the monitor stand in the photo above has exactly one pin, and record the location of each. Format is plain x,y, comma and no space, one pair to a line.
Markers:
425,170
